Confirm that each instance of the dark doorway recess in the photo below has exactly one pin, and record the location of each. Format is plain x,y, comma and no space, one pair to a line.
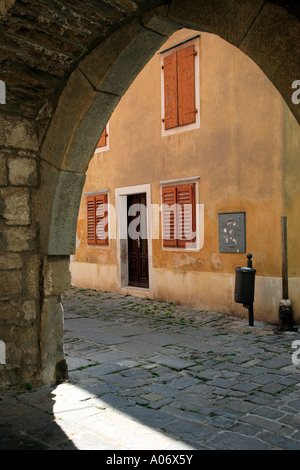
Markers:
138,272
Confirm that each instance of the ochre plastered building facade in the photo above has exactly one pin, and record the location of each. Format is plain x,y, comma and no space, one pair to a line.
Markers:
235,154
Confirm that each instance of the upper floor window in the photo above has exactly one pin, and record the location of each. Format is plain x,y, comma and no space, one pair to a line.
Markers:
103,143
180,88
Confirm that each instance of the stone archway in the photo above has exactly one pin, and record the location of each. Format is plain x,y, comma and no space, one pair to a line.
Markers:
43,187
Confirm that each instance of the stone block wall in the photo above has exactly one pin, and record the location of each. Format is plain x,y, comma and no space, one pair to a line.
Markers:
19,261
30,283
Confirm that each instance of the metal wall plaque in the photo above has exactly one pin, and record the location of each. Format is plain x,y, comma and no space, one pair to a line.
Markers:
232,232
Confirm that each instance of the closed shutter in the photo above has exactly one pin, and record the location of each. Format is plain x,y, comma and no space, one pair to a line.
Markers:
97,223
170,91
179,216
169,217
179,88
101,220
91,226
186,85
186,212
103,139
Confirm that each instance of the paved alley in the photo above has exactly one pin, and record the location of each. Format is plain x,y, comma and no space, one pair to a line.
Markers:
151,375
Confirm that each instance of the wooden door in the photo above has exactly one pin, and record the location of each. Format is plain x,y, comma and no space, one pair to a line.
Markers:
138,271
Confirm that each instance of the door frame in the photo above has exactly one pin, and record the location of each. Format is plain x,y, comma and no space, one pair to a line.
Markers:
122,239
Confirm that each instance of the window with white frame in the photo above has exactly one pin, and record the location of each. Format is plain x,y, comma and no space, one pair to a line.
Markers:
180,87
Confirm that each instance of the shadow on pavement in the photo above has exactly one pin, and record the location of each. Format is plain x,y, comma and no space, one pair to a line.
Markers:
27,422
146,375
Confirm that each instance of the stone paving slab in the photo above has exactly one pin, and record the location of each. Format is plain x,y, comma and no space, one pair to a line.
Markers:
128,330
140,348
152,375
96,336
171,361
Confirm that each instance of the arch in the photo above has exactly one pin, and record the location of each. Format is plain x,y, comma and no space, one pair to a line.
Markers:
267,32
91,94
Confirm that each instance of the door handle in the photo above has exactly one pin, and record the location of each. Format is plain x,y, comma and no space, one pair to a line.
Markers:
139,242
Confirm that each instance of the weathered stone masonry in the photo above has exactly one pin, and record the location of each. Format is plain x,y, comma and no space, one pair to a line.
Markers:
66,65
19,261
30,282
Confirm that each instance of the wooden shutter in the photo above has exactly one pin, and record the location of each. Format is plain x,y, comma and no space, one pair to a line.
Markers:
103,139
170,91
186,212
186,85
97,226
169,217
91,226
179,216
101,226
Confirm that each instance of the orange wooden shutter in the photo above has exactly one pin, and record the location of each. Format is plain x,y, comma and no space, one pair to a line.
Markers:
91,226
169,216
103,139
186,85
170,91
186,215
101,226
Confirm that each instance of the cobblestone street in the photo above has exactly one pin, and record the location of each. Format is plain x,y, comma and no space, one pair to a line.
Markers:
151,375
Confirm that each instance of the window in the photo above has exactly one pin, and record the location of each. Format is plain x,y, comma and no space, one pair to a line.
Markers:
97,220
103,143
180,77
103,139
179,216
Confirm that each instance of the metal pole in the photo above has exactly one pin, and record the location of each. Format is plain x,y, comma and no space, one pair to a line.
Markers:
250,315
285,305
250,306
249,262
285,283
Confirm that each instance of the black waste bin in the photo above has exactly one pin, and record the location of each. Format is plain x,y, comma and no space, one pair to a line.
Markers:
244,285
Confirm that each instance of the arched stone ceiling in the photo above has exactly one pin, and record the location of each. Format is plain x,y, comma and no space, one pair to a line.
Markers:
42,41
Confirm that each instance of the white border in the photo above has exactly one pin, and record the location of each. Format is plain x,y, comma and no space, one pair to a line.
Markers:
196,124
2,352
